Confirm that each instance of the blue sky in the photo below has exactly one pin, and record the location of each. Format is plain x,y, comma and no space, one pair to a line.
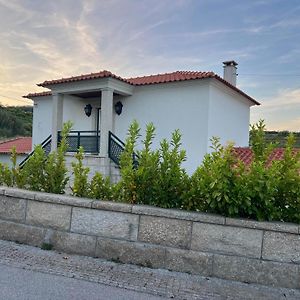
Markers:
49,39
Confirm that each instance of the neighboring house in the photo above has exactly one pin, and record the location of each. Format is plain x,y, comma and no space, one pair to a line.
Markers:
23,147
200,104
245,154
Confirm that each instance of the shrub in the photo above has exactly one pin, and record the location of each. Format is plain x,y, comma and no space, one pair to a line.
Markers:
101,188
159,178
18,177
34,169
172,179
147,171
80,186
12,176
55,171
128,183
214,184
288,187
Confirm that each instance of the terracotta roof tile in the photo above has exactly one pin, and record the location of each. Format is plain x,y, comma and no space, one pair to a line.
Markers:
101,74
22,144
144,80
245,154
169,77
41,94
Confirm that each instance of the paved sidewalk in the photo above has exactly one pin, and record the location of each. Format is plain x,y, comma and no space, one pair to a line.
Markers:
131,278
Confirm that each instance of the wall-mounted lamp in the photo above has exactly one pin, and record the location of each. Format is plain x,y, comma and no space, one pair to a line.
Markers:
88,109
118,107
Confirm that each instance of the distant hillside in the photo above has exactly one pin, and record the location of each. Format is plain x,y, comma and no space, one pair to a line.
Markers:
280,137
15,121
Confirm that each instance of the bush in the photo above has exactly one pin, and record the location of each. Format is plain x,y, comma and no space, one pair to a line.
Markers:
101,188
34,169
264,190
80,186
215,184
172,179
55,172
158,179
288,189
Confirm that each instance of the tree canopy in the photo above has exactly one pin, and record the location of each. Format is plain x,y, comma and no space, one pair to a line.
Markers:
15,121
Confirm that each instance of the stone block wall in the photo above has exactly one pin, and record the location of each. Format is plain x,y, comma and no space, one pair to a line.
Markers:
210,245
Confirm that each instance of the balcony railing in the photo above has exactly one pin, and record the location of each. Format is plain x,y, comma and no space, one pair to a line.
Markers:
89,140
115,149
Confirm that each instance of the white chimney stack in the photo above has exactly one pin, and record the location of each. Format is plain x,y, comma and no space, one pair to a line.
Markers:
230,71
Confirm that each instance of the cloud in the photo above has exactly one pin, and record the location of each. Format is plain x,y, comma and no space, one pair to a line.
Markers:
285,99
281,112
291,125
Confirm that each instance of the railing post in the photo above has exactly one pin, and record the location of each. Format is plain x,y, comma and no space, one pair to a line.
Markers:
97,142
109,144
78,139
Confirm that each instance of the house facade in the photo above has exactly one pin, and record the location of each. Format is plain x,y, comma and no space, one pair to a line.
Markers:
199,104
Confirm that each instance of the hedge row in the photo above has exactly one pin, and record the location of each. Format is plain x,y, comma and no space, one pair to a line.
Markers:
222,184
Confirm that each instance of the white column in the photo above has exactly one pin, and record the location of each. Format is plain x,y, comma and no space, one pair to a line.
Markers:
57,118
106,120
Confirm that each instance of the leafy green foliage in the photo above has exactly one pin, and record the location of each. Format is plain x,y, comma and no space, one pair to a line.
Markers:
288,188
17,176
264,190
159,178
101,188
80,186
172,178
128,184
15,121
34,169
55,171
214,186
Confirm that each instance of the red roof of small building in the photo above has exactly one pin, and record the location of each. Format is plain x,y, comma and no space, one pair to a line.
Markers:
22,144
101,74
40,94
144,80
246,155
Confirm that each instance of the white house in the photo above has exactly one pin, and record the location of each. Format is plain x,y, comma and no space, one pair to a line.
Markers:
200,104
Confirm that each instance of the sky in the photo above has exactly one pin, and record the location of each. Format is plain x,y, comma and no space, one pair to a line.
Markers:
43,40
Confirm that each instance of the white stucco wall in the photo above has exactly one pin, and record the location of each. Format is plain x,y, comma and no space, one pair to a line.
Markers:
229,115
182,105
42,118
5,158
73,110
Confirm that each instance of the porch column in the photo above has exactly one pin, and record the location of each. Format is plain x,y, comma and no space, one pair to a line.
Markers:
57,118
106,120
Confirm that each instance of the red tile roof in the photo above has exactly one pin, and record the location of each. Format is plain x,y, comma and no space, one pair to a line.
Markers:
22,144
145,80
245,154
101,74
169,77
41,94
182,76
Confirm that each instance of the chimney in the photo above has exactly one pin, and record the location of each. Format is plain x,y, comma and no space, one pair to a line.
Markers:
230,71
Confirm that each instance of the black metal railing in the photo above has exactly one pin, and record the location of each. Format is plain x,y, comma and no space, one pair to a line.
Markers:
89,140
46,145
115,149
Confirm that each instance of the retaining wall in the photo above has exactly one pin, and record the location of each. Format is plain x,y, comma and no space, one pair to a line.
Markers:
210,245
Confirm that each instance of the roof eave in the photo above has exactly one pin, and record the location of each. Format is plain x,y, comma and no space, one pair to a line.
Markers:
236,89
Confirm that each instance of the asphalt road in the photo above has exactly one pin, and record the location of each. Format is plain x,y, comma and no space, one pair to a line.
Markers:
20,284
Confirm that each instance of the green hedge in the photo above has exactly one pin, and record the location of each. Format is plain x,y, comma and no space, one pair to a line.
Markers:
222,184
